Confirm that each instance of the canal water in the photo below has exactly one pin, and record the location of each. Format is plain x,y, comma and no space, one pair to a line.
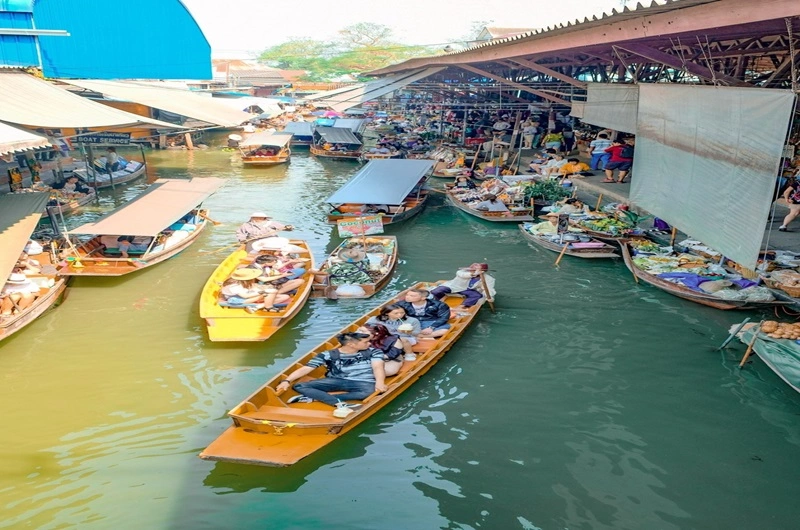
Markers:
586,402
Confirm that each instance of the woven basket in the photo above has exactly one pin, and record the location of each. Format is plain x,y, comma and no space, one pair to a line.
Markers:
794,292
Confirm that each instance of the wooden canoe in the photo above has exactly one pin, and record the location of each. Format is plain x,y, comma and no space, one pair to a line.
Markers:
228,324
387,257
382,156
684,292
48,297
267,431
117,181
495,217
267,161
410,207
337,155
91,261
604,251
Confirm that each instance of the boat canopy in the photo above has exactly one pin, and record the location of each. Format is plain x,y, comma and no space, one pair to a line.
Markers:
382,182
266,138
174,100
13,139
336,135
300,128
163,203
19,213
354,124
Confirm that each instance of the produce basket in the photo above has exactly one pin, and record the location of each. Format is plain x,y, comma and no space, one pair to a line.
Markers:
794,292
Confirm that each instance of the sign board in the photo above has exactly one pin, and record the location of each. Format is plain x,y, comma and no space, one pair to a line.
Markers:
360,226
563,223
114,138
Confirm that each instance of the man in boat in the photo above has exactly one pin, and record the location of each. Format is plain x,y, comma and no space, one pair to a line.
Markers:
18,294
468,283
112,160
355,368
71,186
431,313
260,226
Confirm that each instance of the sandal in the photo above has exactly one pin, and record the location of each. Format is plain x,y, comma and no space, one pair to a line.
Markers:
608,181
620,182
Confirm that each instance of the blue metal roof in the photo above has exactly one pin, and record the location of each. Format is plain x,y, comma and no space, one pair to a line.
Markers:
133,39
17,6
16,50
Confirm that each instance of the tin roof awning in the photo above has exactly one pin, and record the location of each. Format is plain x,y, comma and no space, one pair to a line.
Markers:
382,182
266,138
176,101
354,124
28,100
373,91
163,203
337,135
19,213
299,128
13,139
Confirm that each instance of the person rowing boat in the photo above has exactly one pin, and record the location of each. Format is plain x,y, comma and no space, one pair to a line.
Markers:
260,226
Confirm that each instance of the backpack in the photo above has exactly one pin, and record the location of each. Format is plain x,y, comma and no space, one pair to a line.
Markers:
627,151
335,354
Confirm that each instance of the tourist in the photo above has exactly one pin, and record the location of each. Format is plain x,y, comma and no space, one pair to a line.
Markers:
597,149
354,368
528,132
112,160
389,344
553,166
491,203
397,321
468,283
133,245
285,276
463,182
502,124
569,138
17,294
573,167
260,226
431,313
620,161
792,197
71,185
553,140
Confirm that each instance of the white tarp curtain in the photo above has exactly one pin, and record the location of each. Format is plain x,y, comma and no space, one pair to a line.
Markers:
707,159
13,139
578,109
28,100
176,101
613,106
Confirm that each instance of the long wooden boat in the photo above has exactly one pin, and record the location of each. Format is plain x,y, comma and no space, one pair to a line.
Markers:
267,431
265,149
381,255
688,294
604,236
231,324
71,204
338,155
782,356
382,156
100,180
598,249
336,136
165,218
411,206
517,215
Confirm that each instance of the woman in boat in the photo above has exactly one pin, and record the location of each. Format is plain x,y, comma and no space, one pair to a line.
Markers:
283,276
548,227
241,290
71,186
388,343
397,321
490,203
469,284
353,269
18,294
27,265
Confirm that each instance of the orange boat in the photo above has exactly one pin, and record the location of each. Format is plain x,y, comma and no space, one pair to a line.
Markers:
267,431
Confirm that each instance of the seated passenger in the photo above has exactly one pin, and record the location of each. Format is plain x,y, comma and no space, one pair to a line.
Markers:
468,283
573,167
127,244
387,343
355,368
397,321
463,181
17,294
545,227
431,313
71,185
571,206
27,265
490,203
283,276
241,290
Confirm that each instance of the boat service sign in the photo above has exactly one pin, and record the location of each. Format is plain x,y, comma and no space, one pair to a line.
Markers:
361,226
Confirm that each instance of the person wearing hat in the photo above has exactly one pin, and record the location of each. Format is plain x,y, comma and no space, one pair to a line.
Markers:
284,276
468,283
350,269
241,290
18,293
259,226
548,227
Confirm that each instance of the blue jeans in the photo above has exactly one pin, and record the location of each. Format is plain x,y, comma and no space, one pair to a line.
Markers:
471,296
599,160
319,389
296,273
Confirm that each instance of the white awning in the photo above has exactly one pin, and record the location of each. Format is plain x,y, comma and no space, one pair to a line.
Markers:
614,106
374,91
172,100
266,138
13,139
28,100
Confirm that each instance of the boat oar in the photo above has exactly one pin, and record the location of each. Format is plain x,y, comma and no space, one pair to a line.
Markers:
756,331
207,218
486,292
561,255
734,333
222,248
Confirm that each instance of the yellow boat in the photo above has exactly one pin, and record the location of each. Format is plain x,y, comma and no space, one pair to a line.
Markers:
267,431
230,324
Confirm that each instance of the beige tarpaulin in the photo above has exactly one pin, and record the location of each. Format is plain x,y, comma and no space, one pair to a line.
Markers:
164,202
265,138
13,139
28,100
368,93
19,213
173,100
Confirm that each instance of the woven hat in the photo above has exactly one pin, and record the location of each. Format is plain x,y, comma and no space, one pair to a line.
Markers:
17,278
352,254
245,274
552,214
260,214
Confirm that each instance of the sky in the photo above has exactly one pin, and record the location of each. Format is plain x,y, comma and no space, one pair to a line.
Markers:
241,28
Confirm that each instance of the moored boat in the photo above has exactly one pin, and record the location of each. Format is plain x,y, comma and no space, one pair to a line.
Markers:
268,431
18,217
235,324
590,248
515,214
99,179
362,266
779,352
153,227
336,142
394,188
264,149
302,133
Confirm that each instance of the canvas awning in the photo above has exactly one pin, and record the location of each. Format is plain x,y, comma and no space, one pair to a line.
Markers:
373,91
19,213
354,124
176,101
337,136
266,138
28,100
13,139
382,182
164,202
299,128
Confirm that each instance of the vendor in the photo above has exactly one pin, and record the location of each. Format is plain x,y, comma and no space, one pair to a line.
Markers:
70,186
550,226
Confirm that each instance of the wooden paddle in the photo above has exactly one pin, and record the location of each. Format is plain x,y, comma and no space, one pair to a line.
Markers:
756,331
207,218
489,298
561,255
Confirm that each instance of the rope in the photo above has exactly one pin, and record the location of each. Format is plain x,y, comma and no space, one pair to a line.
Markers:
792,60
707,58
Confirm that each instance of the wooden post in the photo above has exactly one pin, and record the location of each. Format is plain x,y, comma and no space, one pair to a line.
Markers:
489,298
756,331
189,144
599,200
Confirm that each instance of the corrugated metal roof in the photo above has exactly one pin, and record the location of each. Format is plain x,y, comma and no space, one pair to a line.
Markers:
382,182
266,138
182,102
19,213
354,124
28,100
299,128
163,203
17,6
337,136
17,50
13,139
357,97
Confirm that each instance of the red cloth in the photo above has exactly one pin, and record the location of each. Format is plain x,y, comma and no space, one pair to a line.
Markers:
616,151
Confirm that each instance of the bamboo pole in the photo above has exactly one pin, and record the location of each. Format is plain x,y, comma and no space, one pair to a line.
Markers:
756,331
561,255
599,200
735,332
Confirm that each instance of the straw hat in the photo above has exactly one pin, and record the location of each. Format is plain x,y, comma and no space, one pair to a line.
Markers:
352,254
17,278
260,215
245,274
552,214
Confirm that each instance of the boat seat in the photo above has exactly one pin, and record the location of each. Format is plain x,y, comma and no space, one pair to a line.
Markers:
111,252
287,413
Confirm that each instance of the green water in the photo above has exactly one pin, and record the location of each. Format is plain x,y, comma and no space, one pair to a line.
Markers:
586,402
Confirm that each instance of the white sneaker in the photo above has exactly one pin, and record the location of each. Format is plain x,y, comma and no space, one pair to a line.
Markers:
343,410
410,357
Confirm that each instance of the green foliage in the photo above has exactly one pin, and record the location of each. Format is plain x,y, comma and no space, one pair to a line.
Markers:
549,190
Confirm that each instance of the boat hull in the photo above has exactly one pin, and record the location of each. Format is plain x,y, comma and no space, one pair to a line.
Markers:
607,251
416,207
337,155
116,182
494,217
321,289
39,306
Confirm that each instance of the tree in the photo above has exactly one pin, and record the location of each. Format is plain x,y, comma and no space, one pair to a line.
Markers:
366,35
